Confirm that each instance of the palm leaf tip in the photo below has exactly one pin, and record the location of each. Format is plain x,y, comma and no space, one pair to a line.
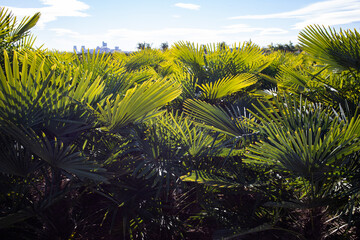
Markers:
227,86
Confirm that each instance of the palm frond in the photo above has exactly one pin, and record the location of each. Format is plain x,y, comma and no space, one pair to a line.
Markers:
220,179
196,140
137,103
341,50
217,119
30,92
306,141
24,26
226,86
55,153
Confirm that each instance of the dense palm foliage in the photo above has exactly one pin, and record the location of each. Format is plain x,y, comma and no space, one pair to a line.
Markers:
191,142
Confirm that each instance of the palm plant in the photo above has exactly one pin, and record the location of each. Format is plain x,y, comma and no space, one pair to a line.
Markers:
334,78
310,145
13,35
161,150
48,118
217,71
189,142
40,124
339,50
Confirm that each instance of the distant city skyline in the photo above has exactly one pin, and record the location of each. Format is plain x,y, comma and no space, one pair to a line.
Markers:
65,23
103,49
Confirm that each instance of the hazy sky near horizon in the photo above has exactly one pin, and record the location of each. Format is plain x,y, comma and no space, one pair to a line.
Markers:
65,23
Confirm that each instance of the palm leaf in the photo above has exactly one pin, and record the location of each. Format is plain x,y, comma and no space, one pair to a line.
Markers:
226,86
306,141
55,153
219,180
217,119
6,23
30,93
196,140
137,103
341,50
24,26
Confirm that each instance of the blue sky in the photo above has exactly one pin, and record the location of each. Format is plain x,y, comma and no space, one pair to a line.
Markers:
65,23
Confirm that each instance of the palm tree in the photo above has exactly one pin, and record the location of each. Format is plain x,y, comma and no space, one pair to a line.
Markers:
164,46
312,148
50,118
13,35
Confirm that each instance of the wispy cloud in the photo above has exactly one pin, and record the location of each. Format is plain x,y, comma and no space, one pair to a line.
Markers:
331,12
53,9
65,32
244,28
187,6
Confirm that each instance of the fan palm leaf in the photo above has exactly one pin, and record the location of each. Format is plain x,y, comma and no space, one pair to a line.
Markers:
28,91
216,118
196,140
137,103
341,50
226,86
24,26
55,153
306,141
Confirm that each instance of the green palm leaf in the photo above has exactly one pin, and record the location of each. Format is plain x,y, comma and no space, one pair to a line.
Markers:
196,140
304,140
226,86
217,119
221,179
341,50
55,153
137,103
24,26
30,93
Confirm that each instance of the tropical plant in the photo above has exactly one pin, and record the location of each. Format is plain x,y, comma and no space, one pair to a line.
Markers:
188,142
14,35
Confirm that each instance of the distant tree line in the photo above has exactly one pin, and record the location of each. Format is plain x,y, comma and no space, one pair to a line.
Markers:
142,46
290,47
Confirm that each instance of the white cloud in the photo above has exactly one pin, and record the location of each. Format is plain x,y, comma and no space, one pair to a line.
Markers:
187,6
331,12
239,28
244,28
54,9
59,32
272,31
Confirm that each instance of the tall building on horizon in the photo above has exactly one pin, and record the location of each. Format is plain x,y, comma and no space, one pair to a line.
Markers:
103,49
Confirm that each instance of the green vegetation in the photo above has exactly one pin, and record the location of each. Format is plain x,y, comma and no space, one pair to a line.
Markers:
186,142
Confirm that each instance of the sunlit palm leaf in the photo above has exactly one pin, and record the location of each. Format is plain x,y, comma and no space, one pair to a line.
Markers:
220,180
6,23
196,140
341,50
30,92
192,56
217,119
226,86
137,102
306,141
